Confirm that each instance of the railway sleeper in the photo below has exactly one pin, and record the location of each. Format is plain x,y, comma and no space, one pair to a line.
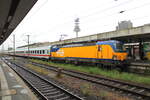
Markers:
47,91
39,84
44,86
64,98
57,96
43,89
50,90
52,93
133,88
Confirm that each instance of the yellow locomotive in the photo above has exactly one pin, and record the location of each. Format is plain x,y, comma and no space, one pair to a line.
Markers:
109,52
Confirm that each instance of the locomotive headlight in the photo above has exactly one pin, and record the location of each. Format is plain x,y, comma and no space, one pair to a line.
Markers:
114,57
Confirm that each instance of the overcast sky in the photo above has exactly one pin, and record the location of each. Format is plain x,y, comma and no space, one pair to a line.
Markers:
48,19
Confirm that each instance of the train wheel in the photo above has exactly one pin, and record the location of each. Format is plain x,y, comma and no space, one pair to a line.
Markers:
123,69
76,62
102,66
66,61
126,67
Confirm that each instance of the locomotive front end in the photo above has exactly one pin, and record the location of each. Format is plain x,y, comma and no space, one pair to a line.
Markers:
120,56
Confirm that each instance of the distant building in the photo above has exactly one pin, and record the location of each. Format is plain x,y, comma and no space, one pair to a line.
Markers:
124,25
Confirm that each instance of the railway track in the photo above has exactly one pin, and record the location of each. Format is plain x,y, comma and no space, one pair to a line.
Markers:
141,92
45,89
140,68
139,71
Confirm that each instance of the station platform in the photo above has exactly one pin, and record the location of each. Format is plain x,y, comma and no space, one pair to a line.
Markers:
12,86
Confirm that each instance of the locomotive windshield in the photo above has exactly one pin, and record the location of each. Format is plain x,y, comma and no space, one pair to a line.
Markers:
120,47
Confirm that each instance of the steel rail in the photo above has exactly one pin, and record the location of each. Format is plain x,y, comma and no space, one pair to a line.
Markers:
117,84
72,96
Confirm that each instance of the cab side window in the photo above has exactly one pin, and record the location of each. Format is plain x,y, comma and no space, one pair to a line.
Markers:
99,48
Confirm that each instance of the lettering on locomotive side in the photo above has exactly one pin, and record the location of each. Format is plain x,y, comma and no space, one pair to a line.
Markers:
60,52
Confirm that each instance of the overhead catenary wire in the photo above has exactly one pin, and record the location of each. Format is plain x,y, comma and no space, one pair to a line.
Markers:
106,9
82,17
143,5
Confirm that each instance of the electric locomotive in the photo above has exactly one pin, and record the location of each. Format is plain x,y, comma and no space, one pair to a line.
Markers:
109,52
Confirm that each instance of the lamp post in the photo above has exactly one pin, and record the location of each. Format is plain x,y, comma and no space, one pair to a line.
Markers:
62,36
28,44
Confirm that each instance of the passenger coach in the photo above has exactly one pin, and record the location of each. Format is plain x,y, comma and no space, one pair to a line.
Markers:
36,52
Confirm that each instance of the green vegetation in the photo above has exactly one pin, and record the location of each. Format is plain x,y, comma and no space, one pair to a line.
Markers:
95,70
86,89
38,69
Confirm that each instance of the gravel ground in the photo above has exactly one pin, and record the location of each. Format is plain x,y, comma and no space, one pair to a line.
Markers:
83,88
88,90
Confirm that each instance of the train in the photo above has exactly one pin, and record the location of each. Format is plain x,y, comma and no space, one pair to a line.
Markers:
103,53
146,49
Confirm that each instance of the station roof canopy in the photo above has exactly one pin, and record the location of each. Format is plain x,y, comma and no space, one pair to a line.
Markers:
12,13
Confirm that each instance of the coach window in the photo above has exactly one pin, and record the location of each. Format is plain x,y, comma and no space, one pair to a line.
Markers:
43,51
